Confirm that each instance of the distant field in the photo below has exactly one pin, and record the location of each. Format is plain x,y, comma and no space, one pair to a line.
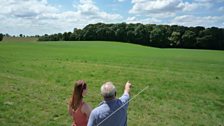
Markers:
19,39
186,87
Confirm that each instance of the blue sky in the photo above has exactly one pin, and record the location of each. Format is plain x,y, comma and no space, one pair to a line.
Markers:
31,17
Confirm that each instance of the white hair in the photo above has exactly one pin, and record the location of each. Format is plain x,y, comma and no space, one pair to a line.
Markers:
108,90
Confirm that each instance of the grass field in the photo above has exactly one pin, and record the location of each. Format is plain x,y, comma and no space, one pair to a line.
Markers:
19,39
186,87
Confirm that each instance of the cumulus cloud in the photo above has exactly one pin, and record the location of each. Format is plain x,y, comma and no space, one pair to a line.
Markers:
39,17
26,8
165,6
186,6
23,16
89,9
207,21
134,19
177,12
154,6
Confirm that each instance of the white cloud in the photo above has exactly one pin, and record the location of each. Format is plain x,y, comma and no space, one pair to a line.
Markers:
186,6
86,7
166,11
207,21
154,6
161,15
143,21
164,7
23,16
89,9
25,7
39,17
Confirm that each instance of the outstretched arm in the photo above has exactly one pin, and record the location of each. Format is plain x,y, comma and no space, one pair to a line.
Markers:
127,87
125,97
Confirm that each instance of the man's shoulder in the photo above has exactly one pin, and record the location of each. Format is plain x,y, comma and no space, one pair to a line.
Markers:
98,109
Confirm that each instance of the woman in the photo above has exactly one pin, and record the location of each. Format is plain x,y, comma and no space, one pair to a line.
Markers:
77,108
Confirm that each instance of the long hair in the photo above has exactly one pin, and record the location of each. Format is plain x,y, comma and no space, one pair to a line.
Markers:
80,85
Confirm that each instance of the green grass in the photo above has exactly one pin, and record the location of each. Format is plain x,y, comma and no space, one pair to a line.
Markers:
186,87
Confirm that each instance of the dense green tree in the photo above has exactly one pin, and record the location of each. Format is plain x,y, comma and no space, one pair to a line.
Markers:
203,41
188,39
158,37
60,36
197,29
120,32
45,37
141,35
131,36
110,34
66,36
1,36
7,35
217,38
89,32
175,39
77,34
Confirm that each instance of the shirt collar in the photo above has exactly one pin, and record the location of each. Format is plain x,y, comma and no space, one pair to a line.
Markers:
107,102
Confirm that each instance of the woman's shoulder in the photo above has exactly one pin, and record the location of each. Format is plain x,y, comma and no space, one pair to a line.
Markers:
86,107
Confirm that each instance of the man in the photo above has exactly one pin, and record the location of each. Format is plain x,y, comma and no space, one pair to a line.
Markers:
112,111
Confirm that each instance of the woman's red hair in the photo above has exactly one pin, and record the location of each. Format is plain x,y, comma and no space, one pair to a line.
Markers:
80,85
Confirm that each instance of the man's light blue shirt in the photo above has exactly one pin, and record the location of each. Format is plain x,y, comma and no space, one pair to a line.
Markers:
119,118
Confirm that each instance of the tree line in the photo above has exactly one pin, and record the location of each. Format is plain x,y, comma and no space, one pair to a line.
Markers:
162,36
16,36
